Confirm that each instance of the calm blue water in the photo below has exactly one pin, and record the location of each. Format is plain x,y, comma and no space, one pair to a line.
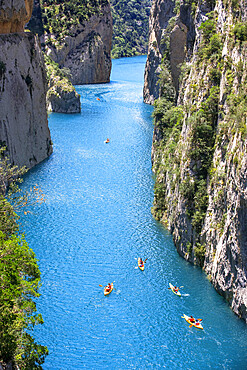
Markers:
95,223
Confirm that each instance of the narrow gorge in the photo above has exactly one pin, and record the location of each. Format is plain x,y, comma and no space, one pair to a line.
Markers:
196,69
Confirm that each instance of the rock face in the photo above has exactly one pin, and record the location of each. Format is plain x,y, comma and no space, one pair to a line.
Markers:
178,39
14,15
200,141
61,100
61,96
23,118
161,12
87,54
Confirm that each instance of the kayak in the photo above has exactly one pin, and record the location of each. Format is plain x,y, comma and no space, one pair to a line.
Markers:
196,324
139,265
173,290
106,292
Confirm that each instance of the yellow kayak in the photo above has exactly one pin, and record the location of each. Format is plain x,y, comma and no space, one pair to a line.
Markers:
196,323
141,267
106,291
174,291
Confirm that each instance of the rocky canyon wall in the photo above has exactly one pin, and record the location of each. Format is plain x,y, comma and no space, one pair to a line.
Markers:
161,12
23,117
200,138
76,38
86,49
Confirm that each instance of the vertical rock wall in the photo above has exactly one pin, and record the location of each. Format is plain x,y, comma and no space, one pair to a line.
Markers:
215,84
161,12
23,117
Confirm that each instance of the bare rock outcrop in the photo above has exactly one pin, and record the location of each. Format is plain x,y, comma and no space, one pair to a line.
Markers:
23,117
63,100
178,38
14,14
161,12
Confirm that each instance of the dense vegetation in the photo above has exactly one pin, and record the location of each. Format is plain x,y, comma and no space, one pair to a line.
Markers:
61,17
19,277
130,27
130,22
188,169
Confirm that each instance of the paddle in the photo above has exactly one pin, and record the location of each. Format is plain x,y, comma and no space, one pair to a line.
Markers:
102,286
143,261
179,287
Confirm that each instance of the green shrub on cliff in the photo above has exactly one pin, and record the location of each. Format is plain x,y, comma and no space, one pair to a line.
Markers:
240,31
211,44
200,251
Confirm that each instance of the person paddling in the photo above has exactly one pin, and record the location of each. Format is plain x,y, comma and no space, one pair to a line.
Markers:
108,287
141,263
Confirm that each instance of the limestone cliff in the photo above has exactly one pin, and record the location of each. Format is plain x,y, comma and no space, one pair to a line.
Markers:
200,140
14,15
23,118
83,43
161,12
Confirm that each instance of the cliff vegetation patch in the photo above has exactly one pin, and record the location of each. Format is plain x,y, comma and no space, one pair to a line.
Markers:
130,27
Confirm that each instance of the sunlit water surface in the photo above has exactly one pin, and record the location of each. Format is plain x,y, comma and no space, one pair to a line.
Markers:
94,224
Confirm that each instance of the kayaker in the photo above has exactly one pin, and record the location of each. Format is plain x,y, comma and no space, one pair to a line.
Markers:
176,289
141,262
108,287
192,319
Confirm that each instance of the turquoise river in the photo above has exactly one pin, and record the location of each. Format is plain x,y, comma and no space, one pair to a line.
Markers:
95,223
